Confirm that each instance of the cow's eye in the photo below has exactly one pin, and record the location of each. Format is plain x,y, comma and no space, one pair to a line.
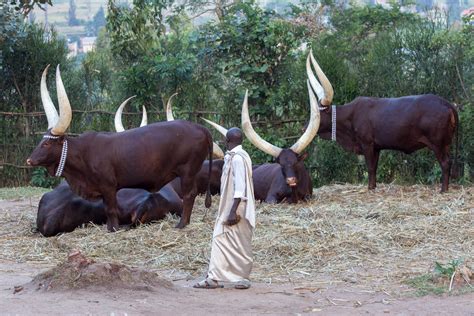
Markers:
46,145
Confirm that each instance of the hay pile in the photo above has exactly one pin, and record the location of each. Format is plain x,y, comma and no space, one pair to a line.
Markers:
345,234
80,272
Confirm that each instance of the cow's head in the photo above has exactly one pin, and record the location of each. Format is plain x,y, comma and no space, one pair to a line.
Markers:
48,151
287,158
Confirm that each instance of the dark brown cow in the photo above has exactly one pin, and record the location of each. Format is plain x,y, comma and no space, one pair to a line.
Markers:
288,174
62,211
367,125
287,179
97,164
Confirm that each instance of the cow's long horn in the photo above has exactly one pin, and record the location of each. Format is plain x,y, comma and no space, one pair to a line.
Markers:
313,125
118,116
218,127
250,133
48,105
65,112
313,81
218,153
144,118
169,112
328,91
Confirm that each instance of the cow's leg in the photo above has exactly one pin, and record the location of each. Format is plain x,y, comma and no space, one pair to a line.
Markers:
112,211
372,160
445,163
189,189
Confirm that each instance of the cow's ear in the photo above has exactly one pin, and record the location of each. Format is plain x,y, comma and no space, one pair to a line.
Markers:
303,156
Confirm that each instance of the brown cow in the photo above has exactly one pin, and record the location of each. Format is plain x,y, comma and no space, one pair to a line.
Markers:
367,125
62,211
287,179
98,164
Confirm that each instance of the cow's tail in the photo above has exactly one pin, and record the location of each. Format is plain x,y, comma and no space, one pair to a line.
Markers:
457,126
208,200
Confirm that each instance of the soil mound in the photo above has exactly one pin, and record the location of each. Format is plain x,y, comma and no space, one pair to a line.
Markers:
80,272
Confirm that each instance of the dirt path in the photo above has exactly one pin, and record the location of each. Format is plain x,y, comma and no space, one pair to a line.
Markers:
274,299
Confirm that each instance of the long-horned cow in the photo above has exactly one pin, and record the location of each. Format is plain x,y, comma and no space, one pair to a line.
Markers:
98,164
202,178
287,179
367,124
62,211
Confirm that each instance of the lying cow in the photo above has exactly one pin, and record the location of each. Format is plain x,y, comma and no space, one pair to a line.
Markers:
287,179
367,125
62,211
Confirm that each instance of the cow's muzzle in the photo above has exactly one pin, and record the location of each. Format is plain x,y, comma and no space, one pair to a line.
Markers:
291,181
30,162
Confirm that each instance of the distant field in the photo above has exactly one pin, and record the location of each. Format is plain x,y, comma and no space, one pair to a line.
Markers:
57,14
86,9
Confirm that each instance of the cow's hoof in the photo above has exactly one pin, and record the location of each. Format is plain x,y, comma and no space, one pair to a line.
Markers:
112,228
180,225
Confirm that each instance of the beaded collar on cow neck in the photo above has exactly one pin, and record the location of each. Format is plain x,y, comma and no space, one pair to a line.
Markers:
333,121
62,160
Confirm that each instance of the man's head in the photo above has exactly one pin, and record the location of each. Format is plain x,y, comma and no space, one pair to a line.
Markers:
233,138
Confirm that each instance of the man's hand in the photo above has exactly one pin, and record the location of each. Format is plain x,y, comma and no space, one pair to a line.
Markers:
232,219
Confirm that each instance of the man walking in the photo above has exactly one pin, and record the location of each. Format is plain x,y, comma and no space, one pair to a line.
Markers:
231,252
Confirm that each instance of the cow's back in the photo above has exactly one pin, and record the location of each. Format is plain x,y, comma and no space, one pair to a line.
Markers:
401,123
150,156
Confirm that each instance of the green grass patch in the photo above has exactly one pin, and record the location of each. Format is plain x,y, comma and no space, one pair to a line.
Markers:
21,192
429,284
425,285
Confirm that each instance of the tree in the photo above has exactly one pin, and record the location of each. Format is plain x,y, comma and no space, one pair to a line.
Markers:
25,6
71,16
98,21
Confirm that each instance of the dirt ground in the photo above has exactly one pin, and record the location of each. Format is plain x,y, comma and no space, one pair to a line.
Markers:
316,295
274,299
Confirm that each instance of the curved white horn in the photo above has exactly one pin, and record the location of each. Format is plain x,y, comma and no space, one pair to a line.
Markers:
313,125
65,112
219,128
48,105
313,81
254,138
169,112
328,91
118,116
144,118
217,151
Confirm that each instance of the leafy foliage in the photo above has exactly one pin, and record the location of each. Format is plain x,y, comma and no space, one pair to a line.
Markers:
151,49
40,178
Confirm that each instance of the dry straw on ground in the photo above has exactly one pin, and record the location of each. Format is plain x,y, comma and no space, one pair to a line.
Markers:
345,233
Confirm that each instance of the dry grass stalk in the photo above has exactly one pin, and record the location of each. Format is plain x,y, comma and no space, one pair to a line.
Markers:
344,233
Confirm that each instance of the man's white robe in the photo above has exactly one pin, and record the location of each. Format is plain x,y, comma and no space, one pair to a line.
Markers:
231,252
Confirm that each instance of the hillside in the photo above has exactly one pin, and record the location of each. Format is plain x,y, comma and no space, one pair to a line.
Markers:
86,9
